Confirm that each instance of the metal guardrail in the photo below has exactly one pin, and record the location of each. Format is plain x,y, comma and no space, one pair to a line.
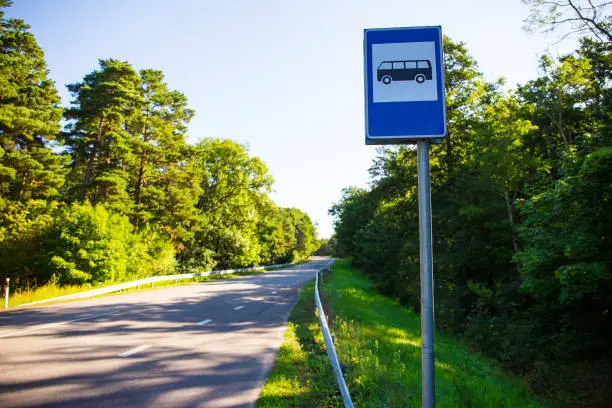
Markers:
151,281
331,351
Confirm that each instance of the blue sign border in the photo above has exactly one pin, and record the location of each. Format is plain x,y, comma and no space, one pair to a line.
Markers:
403,122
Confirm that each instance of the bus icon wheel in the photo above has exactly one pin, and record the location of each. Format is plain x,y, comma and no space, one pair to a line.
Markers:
386,80
420,78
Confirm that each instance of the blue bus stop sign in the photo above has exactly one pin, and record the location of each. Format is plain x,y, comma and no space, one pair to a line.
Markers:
404,85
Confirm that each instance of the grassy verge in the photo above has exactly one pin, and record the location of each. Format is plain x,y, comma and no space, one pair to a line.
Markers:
302,376
378,343
44,292
51,291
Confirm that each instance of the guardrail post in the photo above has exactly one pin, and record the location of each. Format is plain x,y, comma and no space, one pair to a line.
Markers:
6,292
138,287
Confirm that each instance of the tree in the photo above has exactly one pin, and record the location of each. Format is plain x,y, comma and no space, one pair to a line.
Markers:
519,191
232,184
464,87
304,232
500,158
566,263
97,136
583,17
569,105
276,236
29,117
350,215
160,186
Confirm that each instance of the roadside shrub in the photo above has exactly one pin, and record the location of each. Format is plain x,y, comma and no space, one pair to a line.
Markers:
97,246
25,230
78,245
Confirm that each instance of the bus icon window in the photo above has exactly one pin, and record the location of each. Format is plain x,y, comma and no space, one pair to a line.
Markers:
406,70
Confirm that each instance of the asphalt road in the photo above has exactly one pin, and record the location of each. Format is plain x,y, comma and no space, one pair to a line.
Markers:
209,344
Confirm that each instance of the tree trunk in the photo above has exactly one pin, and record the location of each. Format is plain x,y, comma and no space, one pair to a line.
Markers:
91,162
140,183
143,164
449,155
22,187
141,170
510,210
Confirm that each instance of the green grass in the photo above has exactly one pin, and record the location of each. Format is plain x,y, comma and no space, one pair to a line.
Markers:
43,292
302,376
378,344
51,290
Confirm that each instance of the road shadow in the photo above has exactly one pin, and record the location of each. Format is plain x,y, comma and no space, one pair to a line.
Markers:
67,355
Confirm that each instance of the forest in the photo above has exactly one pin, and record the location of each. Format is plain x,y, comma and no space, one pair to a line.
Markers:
522,213
108,189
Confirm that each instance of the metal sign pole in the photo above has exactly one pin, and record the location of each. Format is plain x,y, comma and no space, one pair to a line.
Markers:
405,102
427,307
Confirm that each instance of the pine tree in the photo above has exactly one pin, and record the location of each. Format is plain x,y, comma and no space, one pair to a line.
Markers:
105,104
29,117
160,183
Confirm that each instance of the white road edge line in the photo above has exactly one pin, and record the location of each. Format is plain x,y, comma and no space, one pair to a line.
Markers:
49,325
134,350
204,322
239,307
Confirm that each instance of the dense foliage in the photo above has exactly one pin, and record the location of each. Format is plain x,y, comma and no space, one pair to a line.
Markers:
521,197
116,193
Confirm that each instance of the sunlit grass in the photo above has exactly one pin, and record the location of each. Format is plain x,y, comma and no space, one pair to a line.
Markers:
378,342
379,346
50,291
302,376
44,292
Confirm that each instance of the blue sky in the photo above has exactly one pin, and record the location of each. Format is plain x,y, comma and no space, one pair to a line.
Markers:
284,77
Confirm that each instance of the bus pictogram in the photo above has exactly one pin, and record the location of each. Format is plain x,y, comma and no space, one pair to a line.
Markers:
405,70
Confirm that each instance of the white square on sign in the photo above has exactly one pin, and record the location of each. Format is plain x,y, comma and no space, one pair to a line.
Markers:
404,72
